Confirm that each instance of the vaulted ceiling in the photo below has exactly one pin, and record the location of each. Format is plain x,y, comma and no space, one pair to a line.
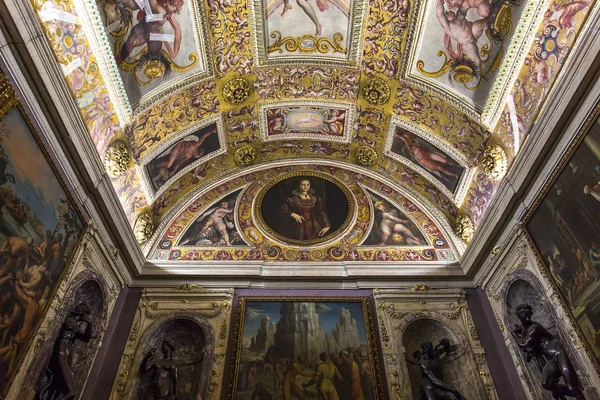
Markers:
421,104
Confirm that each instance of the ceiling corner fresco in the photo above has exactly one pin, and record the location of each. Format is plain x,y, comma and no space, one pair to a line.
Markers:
215,97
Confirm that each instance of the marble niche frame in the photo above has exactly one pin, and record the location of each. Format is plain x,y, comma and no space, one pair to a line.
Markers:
242,296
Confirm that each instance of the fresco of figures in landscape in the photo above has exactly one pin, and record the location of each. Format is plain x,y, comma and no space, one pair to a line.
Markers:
287,346
566,230
392,227
319,27
186,151
419,152
153,41
464,43
39,229
215,226
305,122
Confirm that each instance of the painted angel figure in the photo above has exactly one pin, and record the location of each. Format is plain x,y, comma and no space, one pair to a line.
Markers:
217,218
309,10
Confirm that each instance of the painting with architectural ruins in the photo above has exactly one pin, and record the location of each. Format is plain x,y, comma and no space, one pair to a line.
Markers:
39,228
565,228
304,347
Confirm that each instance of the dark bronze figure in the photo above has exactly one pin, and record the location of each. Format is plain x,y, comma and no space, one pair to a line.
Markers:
61,383
164,384
549,354
432,385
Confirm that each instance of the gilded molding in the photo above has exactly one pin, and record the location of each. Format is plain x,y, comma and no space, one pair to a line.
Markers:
245,155
464,227
376,91
8,97
236,90
116,158
494,162
366,156
143,228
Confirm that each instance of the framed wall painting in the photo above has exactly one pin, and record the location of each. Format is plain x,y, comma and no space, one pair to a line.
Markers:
563,225
283,343
40,226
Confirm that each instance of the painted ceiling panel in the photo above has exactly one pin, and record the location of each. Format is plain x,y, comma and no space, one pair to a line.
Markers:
256,86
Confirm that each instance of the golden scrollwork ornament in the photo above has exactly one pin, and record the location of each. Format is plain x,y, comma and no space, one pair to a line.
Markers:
464,227
376,91
116,158
236,90
245,155
366,156
143,227
494,162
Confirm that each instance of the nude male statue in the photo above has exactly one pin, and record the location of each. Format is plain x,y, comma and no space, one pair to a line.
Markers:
432,385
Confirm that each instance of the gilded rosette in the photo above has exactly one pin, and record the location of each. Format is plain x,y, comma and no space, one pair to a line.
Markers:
366,156
236,90
464,228
245,155
143,227
494,162
116,158
376,91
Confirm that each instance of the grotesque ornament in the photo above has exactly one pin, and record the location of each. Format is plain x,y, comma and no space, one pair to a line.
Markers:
376,91
116,159
236,90
464,228
245,155
549,355
432,383
366,156
143,227
494,162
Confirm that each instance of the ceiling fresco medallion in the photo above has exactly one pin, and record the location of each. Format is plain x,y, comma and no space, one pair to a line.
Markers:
146,48
304,208
464,228
236,90
427,154
245,155
319,120
180,153
250,218
324,31
116,158
494,162
366,156
469,51
376,91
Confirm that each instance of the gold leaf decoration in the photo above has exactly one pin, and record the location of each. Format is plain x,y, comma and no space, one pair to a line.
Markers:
143,227
464,227
366,156
245,155
236,90
116,158
494,162
376,91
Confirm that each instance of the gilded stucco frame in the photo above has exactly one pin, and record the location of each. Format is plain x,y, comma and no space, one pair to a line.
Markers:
236,341
591,119
270,233
10,102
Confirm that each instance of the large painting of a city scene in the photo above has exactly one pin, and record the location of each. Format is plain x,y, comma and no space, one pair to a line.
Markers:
305,350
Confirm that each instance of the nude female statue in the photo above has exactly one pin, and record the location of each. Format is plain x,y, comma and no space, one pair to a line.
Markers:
164,383
537,342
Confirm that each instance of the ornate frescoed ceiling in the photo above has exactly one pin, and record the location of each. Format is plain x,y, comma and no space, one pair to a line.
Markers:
415,109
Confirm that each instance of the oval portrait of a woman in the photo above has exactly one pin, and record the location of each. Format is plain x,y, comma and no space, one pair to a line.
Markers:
304,209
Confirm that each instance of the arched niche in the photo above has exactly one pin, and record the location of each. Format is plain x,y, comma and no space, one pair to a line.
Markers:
87,287
458,366
191,334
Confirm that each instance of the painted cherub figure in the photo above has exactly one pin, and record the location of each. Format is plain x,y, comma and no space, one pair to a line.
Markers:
464,32
335,116
217,219
392,224
308,10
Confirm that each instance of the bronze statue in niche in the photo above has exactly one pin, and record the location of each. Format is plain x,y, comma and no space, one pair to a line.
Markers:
432,384
61,383
549,354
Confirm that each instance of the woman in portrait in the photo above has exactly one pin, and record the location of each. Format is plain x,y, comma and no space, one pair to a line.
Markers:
303,215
